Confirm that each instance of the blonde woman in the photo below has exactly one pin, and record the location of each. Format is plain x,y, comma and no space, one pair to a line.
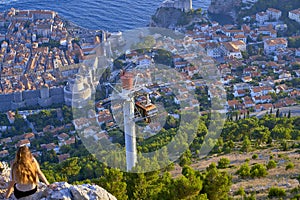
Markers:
25,174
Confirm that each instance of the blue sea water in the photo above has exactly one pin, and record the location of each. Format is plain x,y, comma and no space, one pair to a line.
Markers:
110,15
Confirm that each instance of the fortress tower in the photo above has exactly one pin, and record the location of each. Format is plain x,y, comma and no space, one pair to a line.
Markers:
18,100
45,100
183,5
77,92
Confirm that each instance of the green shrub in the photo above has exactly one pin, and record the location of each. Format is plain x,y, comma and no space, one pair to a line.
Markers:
296,197
258,170
223,163
244,171
250,197
255,156
271,164
290,165
276,192
241,191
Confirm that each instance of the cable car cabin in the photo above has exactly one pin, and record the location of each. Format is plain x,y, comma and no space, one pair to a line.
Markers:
145,111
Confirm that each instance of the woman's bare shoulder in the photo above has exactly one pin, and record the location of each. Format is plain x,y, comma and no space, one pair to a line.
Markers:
35,161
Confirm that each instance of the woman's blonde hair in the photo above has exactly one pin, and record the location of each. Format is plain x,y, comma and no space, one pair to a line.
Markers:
24,168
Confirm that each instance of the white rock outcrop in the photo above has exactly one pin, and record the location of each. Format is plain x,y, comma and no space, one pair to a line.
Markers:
63,191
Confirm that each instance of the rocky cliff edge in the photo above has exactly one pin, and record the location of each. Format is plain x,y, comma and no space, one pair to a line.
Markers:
63,191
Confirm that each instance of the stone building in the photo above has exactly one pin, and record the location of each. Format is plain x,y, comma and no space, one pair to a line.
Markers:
184,5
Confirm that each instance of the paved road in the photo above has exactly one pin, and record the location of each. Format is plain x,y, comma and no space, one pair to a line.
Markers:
295,111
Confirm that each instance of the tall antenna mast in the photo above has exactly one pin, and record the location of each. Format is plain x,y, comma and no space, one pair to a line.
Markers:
129,124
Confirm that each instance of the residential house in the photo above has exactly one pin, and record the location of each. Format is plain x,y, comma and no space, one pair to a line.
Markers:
104,116
231,51
70,141
285,75
24,142
289,102
177,58
213,50
274,14
29,136
239,45
180,64
294,94
241,86
239,93
233,104
63,157
246,79
240,37
63,136
295,15
260,107
261,90
50,146
6,140
281,88
227,80
101,135
81,123
261,17
248,102
273,45
4,153
262,99
144,60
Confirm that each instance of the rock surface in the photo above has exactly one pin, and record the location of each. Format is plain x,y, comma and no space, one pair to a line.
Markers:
166,18
228,7
63,191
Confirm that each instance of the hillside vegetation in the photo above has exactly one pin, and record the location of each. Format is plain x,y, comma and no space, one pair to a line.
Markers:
251,157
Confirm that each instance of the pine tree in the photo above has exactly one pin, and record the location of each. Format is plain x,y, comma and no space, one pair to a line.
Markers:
216,184
246,147
289,114
277,113
114,182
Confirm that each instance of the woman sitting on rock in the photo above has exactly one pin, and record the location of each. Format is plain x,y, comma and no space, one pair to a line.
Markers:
25,174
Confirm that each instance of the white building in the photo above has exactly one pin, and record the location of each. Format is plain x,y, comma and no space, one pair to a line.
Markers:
240,37
261,17
213,50
144,60
233,49
295,15
274,14
273,45
239,44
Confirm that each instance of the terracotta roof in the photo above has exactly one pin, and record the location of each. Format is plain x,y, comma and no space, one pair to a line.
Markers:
273,10
276,41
